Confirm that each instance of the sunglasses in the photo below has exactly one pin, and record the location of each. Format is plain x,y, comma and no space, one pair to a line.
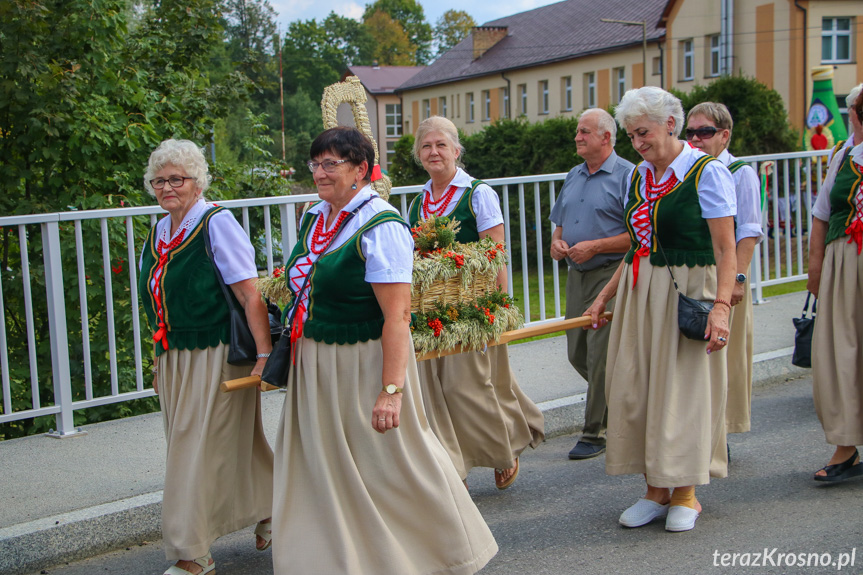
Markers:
703,133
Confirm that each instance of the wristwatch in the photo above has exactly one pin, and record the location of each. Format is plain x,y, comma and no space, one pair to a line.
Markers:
741,278
392,389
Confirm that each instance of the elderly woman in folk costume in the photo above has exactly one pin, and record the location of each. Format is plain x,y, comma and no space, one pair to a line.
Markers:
474,404
219,470
835,277
666,393
362,484
709,128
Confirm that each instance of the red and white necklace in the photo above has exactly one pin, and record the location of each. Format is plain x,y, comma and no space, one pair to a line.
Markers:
437,207
321,239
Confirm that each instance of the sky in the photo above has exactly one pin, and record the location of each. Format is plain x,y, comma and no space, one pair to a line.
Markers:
481,10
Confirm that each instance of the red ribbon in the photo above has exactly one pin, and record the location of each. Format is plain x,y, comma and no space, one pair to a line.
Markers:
376,173
640,253
855,230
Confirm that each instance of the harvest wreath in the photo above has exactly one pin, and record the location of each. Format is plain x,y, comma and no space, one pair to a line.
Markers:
455,299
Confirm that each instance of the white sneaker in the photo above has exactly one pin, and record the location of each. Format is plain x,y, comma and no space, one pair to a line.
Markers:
680,518
643,512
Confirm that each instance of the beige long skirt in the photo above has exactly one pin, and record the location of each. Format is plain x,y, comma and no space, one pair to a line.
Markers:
739,352
478,411
837,345
349,500
219,469
666,396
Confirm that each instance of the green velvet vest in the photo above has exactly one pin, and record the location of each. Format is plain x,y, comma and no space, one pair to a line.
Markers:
342,307
676,219
848,180
463,212
195,310
736,165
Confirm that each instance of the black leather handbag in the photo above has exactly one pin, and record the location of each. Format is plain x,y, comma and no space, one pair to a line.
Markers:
802,356
242,348
691,313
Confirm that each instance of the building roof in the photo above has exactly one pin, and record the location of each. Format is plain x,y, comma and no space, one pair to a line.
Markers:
382,79
561,31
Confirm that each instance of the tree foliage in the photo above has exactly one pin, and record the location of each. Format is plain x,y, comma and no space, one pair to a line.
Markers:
392,46
410,14
451,28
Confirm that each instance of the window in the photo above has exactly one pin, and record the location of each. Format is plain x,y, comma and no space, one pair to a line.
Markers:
426,109
657,66
713,55
486,105
522,99
835,40
394,120
590,90
566,85
469,105
504,102
442,106
391,152
457,106
619,83
543,96
687,60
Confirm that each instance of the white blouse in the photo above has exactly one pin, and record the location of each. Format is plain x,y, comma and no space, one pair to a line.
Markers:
485,202
748,188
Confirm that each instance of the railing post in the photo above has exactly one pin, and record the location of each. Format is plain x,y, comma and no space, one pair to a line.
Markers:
57,326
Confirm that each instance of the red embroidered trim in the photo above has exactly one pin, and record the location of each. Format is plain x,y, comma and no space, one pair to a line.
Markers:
855,230
437,208
641,218
163,249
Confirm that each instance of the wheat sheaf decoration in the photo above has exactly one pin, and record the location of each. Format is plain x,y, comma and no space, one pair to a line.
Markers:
351,92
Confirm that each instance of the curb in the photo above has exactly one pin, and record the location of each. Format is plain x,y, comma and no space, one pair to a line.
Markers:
39,544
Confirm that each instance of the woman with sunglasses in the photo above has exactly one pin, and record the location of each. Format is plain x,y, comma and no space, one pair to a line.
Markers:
709,128
361,483
666,393
835,277
219,467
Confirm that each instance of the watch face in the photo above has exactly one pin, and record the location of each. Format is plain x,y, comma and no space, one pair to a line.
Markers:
741,278
391,389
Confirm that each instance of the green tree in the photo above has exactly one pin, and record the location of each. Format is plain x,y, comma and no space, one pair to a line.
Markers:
760,120
392,46
451,28
410,14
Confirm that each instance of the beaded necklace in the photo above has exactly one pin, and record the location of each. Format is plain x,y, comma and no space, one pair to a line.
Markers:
437,207
641,218
320,239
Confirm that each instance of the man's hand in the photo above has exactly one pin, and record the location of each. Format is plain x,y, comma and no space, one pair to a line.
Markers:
583,251
558,249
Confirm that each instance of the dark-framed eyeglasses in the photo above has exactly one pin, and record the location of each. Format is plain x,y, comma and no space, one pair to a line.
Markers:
703,133
329,166
174,181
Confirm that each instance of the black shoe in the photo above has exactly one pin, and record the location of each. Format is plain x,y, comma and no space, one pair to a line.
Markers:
842,471
584,450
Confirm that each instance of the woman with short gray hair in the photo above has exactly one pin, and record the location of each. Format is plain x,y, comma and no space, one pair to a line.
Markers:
219,468
666,393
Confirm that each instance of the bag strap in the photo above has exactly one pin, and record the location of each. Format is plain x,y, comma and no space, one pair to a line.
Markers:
674,281
209,247
806,305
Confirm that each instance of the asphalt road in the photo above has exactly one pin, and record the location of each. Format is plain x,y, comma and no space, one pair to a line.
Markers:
560,517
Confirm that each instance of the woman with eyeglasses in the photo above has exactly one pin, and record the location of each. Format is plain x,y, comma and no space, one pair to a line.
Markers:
666,393
474,403
835,277
219,468
362,484
709,128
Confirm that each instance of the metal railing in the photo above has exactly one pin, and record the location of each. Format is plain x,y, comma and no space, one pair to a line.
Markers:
76,246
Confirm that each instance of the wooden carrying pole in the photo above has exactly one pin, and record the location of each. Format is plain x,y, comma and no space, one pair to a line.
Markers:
506,337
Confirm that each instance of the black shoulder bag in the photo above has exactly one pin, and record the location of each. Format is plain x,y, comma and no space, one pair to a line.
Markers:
242,348
278,366
691,313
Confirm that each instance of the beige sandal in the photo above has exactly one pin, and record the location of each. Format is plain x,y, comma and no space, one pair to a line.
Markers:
504,483
265,532
206,563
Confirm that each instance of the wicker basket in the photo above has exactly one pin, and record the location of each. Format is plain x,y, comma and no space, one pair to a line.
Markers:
452,292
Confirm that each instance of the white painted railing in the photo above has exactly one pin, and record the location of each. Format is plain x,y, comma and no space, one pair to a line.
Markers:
76,348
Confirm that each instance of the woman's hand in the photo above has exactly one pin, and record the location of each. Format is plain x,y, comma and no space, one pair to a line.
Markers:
259,366
385,415
594,311
156,383
737,293
717,327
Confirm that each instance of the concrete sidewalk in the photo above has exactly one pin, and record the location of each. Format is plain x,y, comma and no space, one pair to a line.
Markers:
74,498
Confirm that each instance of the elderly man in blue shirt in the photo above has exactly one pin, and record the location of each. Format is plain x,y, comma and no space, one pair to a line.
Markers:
591,235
